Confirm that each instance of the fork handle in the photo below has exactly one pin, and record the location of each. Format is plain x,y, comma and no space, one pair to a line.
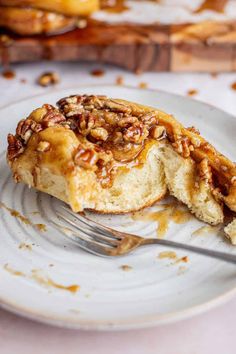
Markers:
227,257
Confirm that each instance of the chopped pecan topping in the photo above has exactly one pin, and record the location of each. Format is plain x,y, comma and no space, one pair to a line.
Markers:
193,130
117,137
113,131
111,118
117,106
23,129
136,133
150,119
205,171
15,147
86,122
196,142
52,117
182,146
26,127
127,121
206,147
158,132
99,133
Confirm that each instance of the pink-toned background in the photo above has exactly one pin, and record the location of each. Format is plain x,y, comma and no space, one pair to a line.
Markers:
210,333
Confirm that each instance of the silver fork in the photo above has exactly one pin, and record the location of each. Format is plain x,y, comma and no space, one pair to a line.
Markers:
106,242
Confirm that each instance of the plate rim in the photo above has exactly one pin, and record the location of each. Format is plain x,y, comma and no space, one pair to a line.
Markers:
132,87
145,321
149,322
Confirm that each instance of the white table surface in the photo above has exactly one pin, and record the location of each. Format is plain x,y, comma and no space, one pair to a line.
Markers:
212,332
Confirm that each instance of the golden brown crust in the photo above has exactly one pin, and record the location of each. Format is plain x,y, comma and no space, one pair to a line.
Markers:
134,210
66,7
27,21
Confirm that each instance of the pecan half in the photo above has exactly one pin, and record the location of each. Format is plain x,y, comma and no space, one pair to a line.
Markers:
117,106
52,117
86,122
15,147
23,129
26,127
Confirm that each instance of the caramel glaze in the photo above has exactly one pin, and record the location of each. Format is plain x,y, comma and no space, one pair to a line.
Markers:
126,245
49,282
114,6
22,218
173,256
214,5
45,281
124,161
171,212
192,92
204,230
192,145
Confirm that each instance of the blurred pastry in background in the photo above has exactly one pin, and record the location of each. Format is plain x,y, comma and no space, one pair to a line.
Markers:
28,21
65,7
31,17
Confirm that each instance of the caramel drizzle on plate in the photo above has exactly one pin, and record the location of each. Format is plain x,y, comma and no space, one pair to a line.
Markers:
174,211
42,280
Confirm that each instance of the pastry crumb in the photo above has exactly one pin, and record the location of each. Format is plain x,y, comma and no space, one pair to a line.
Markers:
143,85
167,254
192,92
119,80
233,86
214,75
126,267
97,72
25,246
8,74
41,227
81,23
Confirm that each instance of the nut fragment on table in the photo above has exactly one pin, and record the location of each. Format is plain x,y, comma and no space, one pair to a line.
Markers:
48,79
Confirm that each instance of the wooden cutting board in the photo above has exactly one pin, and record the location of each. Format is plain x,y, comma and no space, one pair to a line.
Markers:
206,47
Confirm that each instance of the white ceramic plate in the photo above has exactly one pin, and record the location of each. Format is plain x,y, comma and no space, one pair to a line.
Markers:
154,291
